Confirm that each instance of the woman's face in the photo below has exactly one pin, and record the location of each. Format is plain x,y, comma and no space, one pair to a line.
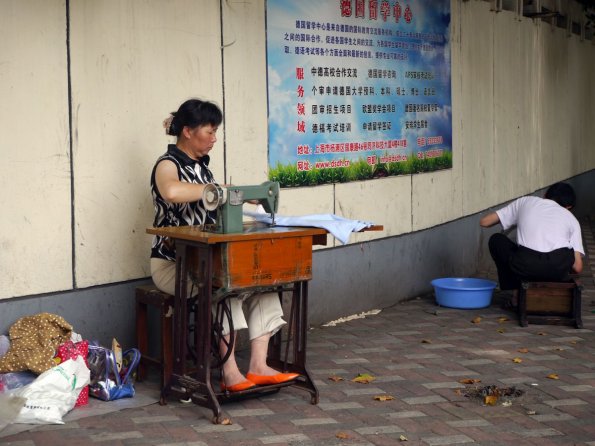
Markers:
201,139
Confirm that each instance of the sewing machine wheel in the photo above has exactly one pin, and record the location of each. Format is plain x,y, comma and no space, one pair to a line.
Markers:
213,196
223,312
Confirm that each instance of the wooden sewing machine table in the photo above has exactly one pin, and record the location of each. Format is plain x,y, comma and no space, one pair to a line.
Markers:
261,257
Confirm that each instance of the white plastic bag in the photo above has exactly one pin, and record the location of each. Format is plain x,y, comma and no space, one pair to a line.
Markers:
53,393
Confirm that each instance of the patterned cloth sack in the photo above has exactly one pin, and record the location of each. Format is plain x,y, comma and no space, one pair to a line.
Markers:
107,383
33,343
71,350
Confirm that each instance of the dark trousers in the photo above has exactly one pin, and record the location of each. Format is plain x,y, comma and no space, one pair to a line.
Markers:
516,263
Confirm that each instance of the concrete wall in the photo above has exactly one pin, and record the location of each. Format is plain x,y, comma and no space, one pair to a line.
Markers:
85,91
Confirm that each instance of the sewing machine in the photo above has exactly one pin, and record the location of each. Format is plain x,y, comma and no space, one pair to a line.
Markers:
228,202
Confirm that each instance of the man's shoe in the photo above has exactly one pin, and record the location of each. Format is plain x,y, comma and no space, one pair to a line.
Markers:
244,385
279,378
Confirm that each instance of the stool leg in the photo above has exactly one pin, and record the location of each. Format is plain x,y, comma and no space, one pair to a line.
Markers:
141,337
166,344
522,306
577,307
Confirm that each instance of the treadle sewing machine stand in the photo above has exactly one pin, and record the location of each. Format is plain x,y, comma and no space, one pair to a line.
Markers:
278,258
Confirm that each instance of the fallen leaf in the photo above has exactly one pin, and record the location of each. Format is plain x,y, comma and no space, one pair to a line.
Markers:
501,330
402,438
476,320
458,391
335,378
502,319
426,341
469,381
224,421
363,378
541,333
523,350
530,412
573,342
553,376
342,435
490,400
384,398
517,360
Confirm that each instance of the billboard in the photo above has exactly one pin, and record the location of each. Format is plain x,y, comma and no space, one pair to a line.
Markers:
357,89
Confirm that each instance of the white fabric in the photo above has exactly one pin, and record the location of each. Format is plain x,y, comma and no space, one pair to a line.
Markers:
542,225
265,314
340,227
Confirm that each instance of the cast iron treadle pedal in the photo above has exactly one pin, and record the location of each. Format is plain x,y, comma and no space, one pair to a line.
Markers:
190,384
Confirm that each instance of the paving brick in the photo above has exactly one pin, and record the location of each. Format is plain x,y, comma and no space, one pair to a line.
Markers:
453,439
249,412
578,388
424,400
547,432
405,366
351,361
156,419
219,428
289,438
314,421
566,402
375,430
185,443
111,437
444,385
340,406
472,362
469,423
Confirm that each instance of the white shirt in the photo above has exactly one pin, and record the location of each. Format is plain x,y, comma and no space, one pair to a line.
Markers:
542,225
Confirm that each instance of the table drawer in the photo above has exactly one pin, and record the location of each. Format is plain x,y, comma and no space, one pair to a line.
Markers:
269,262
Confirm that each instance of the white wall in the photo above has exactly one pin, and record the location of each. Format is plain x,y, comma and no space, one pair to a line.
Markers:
522,97
35,201
132,63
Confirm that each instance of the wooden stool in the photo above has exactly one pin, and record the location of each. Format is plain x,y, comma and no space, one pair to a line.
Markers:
556,303
149,295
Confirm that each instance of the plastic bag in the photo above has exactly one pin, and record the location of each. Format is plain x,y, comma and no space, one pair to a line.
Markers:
14,380
71,350
4,345
53,393
106,382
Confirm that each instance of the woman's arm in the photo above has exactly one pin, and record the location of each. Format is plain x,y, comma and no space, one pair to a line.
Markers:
171,188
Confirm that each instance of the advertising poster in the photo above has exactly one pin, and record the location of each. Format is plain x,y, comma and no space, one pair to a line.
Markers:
357,89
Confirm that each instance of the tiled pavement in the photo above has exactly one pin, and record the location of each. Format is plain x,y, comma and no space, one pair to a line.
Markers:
420,355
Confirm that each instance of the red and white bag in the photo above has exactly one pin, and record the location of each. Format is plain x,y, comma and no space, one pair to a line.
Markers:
71,350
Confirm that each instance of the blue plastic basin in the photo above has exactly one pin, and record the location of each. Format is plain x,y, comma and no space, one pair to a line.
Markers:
464,293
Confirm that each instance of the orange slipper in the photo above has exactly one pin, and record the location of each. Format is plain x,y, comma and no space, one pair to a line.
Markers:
279,378
244,385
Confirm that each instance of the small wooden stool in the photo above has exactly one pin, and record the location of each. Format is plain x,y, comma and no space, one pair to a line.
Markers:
555,303
149,295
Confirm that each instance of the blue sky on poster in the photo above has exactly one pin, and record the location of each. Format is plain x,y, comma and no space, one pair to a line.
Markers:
430,17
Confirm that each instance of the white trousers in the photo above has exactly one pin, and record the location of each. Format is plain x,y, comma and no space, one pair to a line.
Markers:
263,310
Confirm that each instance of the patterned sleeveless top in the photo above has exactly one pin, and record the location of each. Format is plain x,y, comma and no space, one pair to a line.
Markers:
179,214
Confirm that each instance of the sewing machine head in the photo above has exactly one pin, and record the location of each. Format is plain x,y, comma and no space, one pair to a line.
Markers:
228,202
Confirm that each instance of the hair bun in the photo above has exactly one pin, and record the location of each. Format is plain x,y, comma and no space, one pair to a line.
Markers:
167,125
